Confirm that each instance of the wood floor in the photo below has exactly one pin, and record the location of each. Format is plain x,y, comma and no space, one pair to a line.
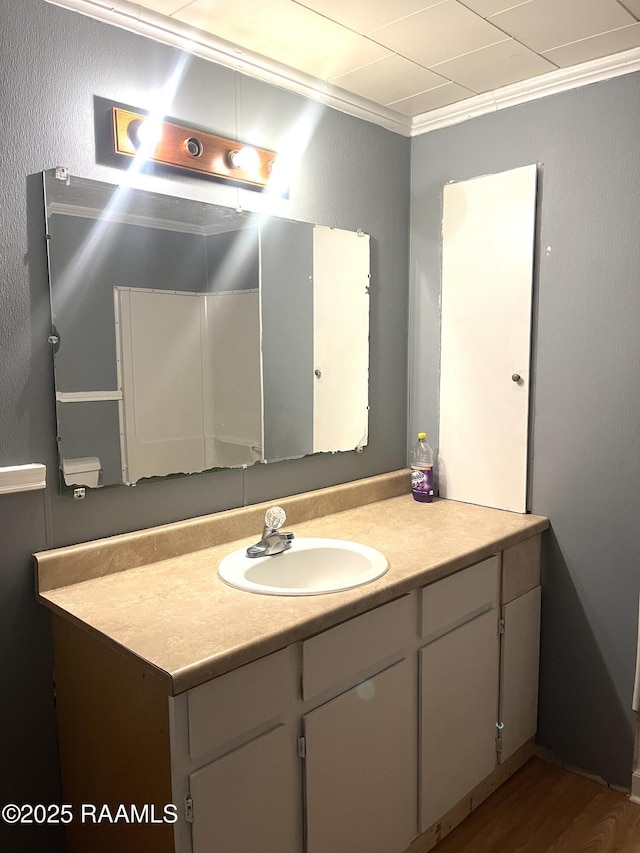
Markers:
544,809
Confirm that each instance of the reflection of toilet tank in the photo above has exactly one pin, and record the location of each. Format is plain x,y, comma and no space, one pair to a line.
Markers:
82,471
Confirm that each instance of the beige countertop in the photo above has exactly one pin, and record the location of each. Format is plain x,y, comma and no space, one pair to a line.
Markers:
171,612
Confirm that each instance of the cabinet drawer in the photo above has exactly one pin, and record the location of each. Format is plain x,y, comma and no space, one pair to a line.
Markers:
520,568
460,597
343,652
241,701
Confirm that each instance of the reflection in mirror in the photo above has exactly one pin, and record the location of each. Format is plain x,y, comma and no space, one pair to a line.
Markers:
189,336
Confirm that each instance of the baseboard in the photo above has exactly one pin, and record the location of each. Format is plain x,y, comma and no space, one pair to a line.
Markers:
635,787
550,757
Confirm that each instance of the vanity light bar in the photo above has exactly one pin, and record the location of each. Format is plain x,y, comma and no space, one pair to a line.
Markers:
193,150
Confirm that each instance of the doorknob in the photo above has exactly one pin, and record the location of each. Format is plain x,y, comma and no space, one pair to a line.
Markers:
516,377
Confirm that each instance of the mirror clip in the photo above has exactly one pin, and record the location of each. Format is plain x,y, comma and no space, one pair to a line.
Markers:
62,174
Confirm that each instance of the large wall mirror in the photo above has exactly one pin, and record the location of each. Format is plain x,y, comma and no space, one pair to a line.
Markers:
189,336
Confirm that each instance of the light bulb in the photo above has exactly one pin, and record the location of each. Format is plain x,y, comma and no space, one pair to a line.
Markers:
245,158
147,133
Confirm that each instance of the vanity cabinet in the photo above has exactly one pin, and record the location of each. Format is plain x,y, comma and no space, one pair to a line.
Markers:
478,682
398,717
379,734
459,685
360,757
322,735
235,762
520,646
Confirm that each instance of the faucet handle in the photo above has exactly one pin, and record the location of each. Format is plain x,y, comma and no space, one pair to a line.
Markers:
274,518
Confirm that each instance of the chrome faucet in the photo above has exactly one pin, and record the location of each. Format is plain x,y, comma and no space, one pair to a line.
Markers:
273,542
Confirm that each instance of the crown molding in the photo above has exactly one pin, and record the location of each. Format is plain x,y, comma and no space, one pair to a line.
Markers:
136,19
551,83
105,214
122,218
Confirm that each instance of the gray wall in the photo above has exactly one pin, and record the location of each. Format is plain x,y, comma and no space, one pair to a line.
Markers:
287,338
127,256
54,63
586,398
233,260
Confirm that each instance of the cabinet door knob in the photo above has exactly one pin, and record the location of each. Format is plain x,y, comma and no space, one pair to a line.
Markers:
516,377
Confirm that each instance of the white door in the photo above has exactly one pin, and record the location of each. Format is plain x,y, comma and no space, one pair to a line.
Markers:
360,767
458,714
161,338
487,268
340,339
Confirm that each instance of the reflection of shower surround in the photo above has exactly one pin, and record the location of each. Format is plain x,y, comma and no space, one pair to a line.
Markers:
274,366
191,399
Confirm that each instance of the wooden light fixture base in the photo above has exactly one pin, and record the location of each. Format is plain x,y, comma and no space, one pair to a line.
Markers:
191,150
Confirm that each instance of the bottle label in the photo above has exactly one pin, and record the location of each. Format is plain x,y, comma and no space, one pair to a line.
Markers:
422,483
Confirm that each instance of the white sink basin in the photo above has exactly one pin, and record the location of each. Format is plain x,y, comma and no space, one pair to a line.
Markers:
309,567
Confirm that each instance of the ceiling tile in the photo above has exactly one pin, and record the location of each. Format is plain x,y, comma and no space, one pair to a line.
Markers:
416,55
450,93
366,15
285,32
438,33
544,24
491,7
593,48
389,79
494,66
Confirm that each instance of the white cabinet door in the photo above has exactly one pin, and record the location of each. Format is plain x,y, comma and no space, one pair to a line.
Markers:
487,272
519,672
249,800
360,767
458,714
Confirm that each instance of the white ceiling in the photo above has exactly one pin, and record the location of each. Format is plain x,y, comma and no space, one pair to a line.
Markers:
406,58
417,55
